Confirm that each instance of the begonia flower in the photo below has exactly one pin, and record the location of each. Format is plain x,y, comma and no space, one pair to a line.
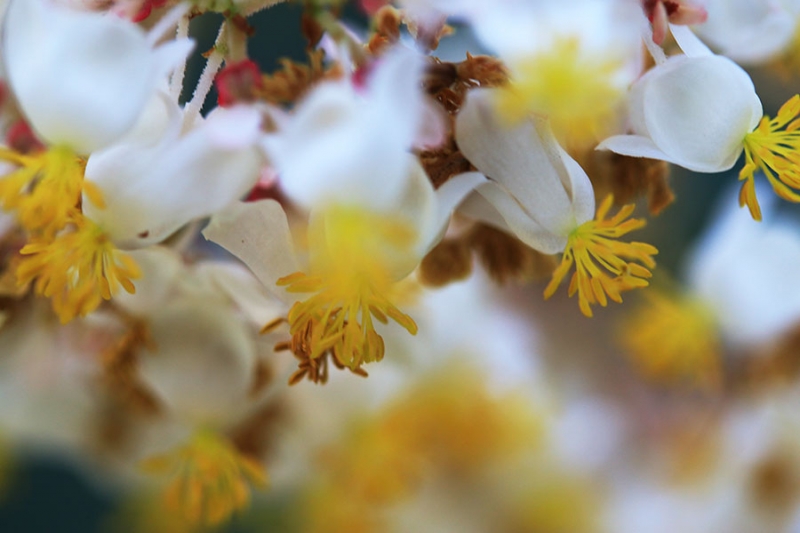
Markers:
540,194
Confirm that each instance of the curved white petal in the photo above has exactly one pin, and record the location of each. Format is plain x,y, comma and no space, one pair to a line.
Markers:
151,192
204,363
348,145
429,210
697,111
521,223
688,41
258,234
81,78
527,162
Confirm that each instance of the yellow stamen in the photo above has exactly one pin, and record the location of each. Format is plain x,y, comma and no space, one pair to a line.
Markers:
774,148
211,479
574,88
77,268
45,188
674,337
593,249
352,278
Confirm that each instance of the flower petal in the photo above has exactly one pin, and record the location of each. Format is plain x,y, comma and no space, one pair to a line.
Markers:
524,159
151,192
81,78
204,364
258,234
697,111
346,145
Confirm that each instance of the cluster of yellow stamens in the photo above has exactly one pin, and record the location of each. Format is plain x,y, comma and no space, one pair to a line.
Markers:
69,256
353,281
671,338
211,479
603,267
774,148
572,86
77,269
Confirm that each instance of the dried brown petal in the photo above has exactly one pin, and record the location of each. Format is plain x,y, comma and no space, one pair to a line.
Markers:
506,258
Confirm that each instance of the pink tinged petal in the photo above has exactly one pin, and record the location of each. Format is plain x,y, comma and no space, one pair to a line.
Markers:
688,15
659,21
258,234
81,78
151,192
697,111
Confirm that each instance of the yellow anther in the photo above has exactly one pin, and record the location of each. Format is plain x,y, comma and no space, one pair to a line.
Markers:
573,87
45,188
76,268
672,337
602,263
212,479
353,283
774,148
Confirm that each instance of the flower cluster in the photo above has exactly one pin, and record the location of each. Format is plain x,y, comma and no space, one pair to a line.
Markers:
169,263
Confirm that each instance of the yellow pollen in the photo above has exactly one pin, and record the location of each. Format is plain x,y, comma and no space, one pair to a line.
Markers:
593,249
573,87
674,337
211,479
353,283
774,148
45,188
77,268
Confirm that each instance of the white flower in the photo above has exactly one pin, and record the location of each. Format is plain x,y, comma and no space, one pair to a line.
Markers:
750,31
700,111
81,78
538,190
373,213
741,271
540,194
694,110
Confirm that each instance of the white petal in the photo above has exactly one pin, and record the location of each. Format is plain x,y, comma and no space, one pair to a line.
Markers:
243,289
744,271
160,269
429,211
152,192
258,234
698,111
346,145
749,31
521,223
525,159
634,146
81,78
688,42
203,367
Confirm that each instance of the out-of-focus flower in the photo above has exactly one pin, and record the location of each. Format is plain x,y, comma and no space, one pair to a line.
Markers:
569,61
661,13
373,211
540,194
750,31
